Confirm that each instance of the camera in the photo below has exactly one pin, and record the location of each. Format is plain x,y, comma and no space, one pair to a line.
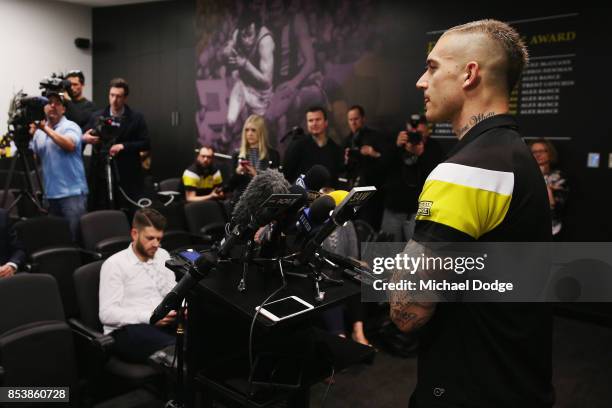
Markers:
55,84
414,137
107,129
23,110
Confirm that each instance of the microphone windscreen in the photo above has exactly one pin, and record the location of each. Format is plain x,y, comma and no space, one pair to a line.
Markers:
317,177
338,196
262,186
320,208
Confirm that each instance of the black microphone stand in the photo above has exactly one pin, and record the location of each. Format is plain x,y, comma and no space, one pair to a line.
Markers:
248,256
318,277
179,400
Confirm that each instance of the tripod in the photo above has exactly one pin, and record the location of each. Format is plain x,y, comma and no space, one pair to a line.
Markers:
23,156
104,176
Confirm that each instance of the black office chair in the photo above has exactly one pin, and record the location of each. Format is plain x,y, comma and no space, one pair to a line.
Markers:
103,366
50,249
36,344
171,184
43,232
206,218
106,231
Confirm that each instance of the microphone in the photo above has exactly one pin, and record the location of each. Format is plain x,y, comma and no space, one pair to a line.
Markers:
347,208
316,214
287,219
271,208
204,264
314,180
295,131
259,189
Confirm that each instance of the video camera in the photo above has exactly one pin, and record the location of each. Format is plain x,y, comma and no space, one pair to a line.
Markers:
24,109
55,84
107,129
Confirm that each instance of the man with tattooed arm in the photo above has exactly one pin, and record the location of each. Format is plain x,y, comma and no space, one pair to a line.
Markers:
488,190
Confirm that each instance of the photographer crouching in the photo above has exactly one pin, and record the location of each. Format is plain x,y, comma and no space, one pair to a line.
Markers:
57,143
120,137
414,157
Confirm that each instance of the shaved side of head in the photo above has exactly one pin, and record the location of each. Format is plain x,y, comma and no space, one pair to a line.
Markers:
497,48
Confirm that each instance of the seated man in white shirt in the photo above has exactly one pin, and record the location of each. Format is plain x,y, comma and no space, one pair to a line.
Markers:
132,283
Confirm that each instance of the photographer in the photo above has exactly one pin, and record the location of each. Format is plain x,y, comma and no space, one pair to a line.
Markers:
124,148
414,157
78,108
363,157
57,143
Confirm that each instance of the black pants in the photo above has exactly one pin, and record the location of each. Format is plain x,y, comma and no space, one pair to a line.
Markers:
136,342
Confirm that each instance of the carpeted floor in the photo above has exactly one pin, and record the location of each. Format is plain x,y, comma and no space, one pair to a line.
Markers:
582,373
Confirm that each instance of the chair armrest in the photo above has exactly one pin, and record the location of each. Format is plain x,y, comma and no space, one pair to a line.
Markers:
51,250
103,342
110,244
86,255
91,255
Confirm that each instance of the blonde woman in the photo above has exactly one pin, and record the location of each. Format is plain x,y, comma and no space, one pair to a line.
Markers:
255,154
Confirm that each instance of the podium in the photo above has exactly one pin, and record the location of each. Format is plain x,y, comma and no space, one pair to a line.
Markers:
218,333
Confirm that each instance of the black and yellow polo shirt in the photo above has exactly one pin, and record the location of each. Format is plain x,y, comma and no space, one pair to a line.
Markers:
201,180
489,189
485,354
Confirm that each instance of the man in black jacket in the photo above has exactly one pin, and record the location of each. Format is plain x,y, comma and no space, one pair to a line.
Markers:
78,108
12,252
365,157
314,148
124,148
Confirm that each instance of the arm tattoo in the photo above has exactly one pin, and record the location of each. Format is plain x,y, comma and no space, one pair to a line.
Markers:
407,311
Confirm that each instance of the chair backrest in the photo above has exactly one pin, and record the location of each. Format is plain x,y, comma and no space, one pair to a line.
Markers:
60,263
97,226
27,298
43,232
87,284
36,347
203,213
171,184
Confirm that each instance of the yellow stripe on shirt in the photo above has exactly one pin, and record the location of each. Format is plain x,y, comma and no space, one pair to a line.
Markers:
469,199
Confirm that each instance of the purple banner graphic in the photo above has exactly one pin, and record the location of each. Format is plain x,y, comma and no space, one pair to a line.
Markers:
275,59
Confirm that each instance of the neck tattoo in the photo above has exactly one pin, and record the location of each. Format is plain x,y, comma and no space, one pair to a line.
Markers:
474,120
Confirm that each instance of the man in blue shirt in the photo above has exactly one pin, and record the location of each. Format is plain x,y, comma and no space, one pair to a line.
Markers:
57,142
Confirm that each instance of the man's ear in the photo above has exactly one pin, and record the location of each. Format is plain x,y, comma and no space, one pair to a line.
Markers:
134,234
471,75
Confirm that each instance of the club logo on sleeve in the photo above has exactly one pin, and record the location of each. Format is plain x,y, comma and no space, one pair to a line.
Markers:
425,208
